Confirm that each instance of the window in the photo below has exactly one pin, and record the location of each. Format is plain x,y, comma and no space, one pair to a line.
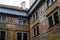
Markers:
3,19
2,35
50,2
53,19
36,30
56,18
50,21
35,16
19,36
24,22
22,36
25,36
53,0
19,21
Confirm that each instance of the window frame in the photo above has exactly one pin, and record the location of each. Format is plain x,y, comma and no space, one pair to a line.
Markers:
49,21
35,27
25,23
49,3
54,1
5,33
52,14
22,34
55,19
20,20
34,16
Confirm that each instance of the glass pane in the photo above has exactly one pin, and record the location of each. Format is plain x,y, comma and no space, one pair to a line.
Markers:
37,30
33,17
2,35
19,21
54,0
3,19
24,22
36,14
50,21
49,2
56,18
34,31
25,36
19,36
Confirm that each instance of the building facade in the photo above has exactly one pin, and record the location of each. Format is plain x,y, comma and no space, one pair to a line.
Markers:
13,23
45,20
40,22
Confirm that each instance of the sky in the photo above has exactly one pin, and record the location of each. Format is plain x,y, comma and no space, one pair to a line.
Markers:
14,2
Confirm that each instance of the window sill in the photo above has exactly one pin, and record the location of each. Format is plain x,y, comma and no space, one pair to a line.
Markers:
36,35
53,26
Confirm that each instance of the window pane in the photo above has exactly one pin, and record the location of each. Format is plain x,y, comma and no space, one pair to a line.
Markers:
50,21
34,31
56,18
2,35
19,21
53,0
37,30
25,36
36,14
49,2
24,22
33,17
19,36
3,19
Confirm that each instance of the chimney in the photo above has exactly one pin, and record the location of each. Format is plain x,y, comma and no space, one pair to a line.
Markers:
23,5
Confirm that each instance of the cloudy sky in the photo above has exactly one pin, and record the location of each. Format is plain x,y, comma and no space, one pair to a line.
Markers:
14,2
